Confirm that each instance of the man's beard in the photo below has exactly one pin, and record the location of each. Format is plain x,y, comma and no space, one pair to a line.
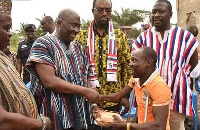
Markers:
103,24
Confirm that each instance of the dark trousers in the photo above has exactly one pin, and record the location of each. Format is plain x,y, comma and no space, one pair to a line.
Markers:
115,108
91,127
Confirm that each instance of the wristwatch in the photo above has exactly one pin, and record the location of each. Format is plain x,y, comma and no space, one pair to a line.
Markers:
44,122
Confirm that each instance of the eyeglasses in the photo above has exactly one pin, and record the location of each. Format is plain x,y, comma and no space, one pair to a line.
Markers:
73,26
101,10
43,23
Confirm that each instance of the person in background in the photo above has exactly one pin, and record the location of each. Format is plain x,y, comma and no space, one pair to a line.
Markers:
108,54
18,109
177,57
145,77
59,68
47,24
145,26
24,50
194,30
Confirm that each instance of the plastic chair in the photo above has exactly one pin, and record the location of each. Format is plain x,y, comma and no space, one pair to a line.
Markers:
133,112
133,109
194,102
195,109
197,84
28,85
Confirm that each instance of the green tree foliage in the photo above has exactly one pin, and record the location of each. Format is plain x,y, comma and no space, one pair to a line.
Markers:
19,35
21,32
85,24
133,33
39,31
129,17
15,39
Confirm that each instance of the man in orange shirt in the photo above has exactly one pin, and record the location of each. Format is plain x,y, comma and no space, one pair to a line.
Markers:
145,76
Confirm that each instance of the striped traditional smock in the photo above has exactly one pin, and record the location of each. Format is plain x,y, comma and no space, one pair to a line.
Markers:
64,110
16,98
174,52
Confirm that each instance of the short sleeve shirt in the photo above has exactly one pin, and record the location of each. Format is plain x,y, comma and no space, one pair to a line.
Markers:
23,51
23,54
160,96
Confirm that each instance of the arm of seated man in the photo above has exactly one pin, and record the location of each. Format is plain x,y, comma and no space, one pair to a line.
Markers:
116,97
160,114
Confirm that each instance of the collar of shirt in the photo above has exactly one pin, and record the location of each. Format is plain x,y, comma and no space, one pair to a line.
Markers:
152,76
166,33
96,32
154,29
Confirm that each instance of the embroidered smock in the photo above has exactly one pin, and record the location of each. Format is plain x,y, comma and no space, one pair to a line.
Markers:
70,64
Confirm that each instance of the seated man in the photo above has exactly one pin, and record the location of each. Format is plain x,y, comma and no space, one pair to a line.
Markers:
145,76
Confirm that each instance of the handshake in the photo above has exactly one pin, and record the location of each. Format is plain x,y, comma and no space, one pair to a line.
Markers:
102,117
92,95
107,118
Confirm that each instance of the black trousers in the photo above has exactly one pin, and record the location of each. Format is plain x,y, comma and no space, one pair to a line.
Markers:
91,127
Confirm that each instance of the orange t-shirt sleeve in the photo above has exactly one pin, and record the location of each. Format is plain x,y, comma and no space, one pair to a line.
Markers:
130,84
161,94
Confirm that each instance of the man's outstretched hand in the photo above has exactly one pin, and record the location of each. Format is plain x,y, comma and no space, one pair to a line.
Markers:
92,96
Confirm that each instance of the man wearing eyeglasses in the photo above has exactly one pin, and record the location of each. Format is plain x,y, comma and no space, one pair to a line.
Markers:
108,54
60,73
24,50
47,24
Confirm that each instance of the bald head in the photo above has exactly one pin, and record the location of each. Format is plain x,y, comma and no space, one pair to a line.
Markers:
147,53
68,25
47,24
67,14
143,62
193,29
48,18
